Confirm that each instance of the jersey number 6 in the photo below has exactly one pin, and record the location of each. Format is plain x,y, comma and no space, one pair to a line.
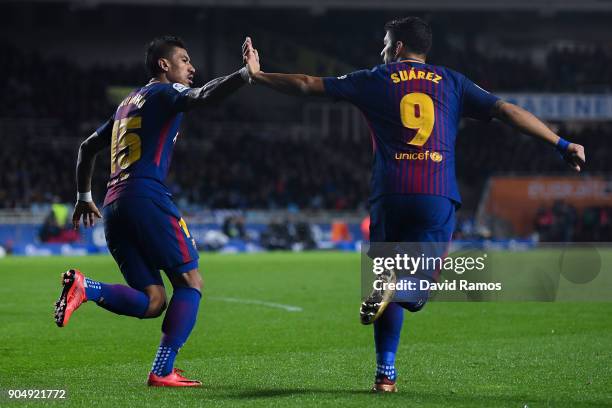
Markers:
417,112
125,147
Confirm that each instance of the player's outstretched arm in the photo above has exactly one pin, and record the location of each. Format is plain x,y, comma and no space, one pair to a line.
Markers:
216,90
292,84
528,124
220,88
85,207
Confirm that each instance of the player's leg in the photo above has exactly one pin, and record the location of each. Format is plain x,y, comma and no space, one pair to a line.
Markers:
387,317
417,220
387,330
429,232
174,251
178,322
379,298
119,299
144,297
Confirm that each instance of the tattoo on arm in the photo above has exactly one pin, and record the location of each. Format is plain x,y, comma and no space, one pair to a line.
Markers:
215,91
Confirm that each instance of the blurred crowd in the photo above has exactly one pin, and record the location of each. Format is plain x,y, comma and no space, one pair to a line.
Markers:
54,87
34,172
251,170
225,173
562,222
75,94
458,43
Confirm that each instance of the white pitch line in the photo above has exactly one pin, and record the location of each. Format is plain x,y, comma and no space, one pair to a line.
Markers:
287,308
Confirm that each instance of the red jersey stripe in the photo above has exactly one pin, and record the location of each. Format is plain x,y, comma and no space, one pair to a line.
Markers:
161,141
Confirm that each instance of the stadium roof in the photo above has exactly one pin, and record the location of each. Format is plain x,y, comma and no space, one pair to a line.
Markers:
536,5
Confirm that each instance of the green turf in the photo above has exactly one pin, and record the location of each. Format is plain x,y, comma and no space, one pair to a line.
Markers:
452,354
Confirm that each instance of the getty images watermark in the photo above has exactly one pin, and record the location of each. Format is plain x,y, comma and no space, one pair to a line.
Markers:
481,272
428,267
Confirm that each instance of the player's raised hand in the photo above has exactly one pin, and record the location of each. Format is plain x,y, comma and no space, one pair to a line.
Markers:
250,57
88,211
574,156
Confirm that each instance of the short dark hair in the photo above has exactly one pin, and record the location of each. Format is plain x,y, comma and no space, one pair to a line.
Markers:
414,32
160,47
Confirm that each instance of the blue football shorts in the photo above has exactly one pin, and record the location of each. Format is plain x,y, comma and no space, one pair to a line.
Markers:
146,235
420,225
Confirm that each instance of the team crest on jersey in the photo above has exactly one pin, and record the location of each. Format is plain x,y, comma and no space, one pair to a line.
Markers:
436,157
179,87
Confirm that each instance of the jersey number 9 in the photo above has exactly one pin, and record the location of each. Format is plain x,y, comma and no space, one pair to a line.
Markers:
417,112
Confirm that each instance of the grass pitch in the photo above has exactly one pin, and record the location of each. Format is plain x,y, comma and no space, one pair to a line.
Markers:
283,330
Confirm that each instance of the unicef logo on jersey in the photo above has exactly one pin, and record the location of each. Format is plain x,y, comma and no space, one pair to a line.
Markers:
435,157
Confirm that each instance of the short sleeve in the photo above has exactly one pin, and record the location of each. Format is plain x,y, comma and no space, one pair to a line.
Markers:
350,87
477,103
105,130
176,95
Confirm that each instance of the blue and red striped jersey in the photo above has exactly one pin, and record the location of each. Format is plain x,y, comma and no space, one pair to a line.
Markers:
143,131
413,111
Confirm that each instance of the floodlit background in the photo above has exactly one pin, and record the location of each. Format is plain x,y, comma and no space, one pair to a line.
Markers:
289,178
264,170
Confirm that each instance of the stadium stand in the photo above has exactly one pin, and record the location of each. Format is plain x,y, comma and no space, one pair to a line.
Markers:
220,172
47,112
